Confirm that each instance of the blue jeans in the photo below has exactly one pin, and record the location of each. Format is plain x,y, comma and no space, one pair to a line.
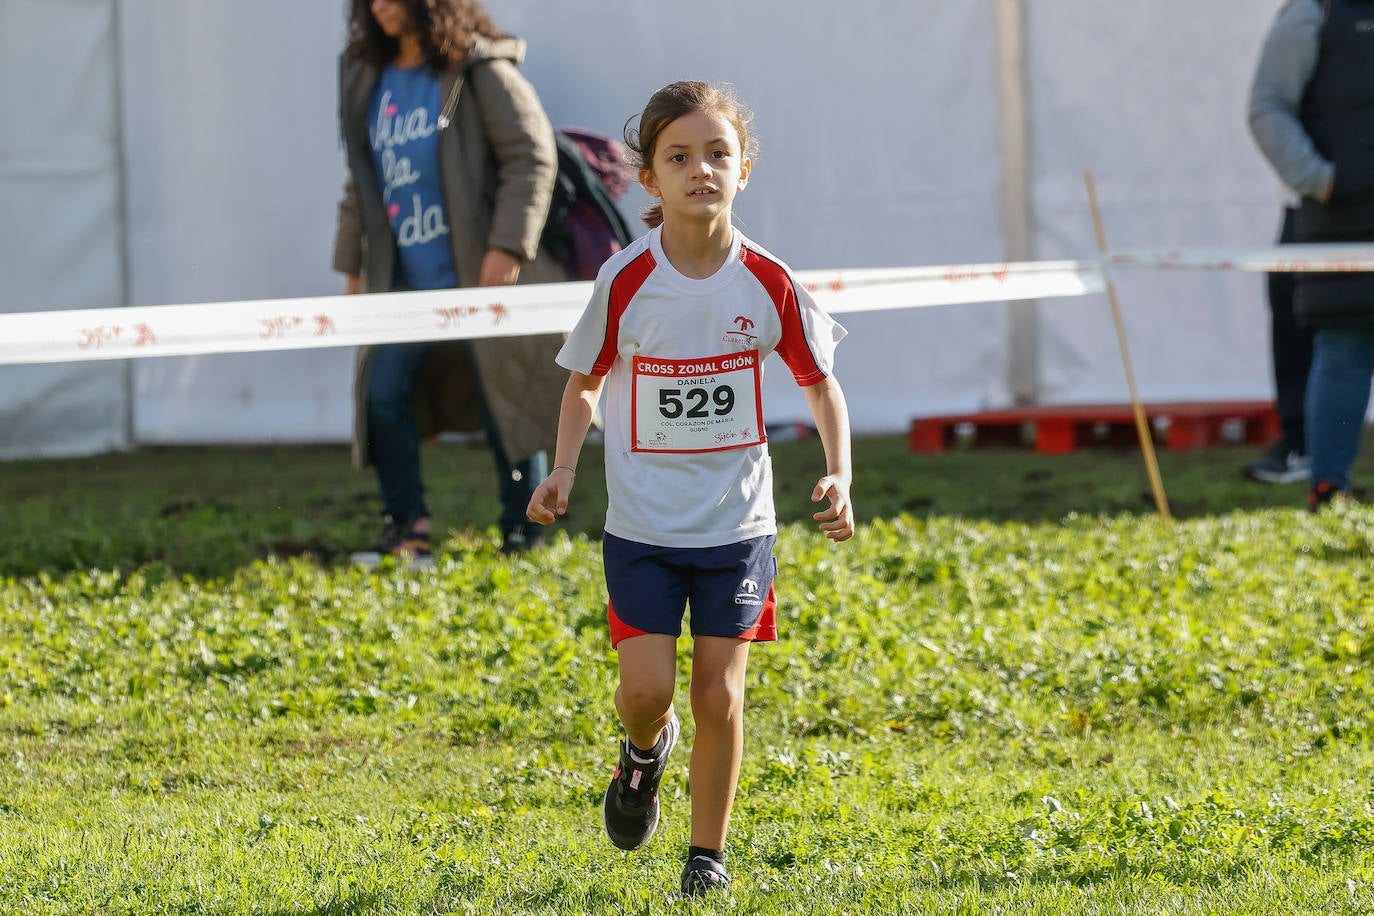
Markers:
393,442
1337,401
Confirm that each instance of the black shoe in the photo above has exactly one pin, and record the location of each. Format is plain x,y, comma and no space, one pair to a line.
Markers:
630,809
392,533
399,540
519,540
1321,494
1280,464
701,875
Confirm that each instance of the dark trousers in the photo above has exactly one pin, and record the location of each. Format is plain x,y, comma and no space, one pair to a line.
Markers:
1291,346
1338,399
393,442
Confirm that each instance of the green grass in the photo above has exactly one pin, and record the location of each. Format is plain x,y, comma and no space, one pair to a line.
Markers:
1016,691
207,511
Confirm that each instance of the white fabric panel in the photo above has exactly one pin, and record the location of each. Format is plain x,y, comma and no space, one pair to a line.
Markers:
256,148
63,410
879,148
59,238
234,173
300,396
1151,98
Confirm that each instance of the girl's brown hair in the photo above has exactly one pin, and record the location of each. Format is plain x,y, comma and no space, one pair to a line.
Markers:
447,28
666,106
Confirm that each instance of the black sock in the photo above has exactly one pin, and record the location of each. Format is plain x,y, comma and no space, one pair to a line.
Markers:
653,752
716,855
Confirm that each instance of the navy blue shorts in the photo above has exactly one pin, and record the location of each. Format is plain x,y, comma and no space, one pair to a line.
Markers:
729,589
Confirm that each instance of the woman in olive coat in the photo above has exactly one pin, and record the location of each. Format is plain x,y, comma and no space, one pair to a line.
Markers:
451,164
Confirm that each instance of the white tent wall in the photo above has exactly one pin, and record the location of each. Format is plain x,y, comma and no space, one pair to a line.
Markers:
880,147
234,171
1151,97
60,245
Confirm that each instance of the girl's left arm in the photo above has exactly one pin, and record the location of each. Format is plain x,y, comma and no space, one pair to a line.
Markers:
831,414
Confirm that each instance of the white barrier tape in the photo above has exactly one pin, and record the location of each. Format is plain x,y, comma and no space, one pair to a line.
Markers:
1280,259
920,287
264,325
339,321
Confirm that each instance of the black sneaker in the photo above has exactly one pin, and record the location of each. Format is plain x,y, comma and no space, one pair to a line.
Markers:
414,551
1320,495
701,875
391,535
519,540
409,548
1280,464
630,809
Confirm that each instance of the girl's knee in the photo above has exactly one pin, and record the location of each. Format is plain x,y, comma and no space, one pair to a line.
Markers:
645,701
716,700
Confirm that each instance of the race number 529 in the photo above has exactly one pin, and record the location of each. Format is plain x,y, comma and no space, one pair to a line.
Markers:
696,402
697,405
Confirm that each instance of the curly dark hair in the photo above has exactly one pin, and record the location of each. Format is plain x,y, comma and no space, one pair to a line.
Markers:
447,28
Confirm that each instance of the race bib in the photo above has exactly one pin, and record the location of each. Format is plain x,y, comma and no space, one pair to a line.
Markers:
697,405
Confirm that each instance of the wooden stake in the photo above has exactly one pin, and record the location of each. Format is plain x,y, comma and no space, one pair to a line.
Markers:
1142,423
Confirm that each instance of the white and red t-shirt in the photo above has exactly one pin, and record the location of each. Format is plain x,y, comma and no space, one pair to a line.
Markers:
686,454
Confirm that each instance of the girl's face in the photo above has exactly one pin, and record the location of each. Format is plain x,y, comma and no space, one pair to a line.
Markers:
697,167
393,17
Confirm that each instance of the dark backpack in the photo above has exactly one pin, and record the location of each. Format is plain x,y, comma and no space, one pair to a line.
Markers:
584,227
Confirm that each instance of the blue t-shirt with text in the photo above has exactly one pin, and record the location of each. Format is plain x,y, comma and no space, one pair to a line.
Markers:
404,131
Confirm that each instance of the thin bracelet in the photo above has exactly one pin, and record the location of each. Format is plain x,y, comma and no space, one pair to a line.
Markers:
565,468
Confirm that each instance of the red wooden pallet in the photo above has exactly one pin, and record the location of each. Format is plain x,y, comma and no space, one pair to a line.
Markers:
1184,425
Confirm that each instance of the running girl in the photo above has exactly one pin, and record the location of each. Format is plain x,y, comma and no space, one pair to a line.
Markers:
677,331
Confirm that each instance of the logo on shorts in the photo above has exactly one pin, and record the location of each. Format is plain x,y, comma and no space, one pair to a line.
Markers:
748,593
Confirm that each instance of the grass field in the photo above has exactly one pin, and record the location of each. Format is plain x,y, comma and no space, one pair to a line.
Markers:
1016,691
207,511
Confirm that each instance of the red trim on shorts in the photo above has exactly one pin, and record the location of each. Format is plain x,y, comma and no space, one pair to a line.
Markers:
619,628
766,630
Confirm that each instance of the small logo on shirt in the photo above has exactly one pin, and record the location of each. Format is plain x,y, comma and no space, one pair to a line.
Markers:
741,335
748,593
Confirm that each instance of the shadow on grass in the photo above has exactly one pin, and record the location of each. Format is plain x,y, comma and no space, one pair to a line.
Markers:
207,511
1214,875
578,892
353,905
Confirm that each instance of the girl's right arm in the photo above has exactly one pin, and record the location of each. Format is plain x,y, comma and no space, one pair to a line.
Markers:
550,498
